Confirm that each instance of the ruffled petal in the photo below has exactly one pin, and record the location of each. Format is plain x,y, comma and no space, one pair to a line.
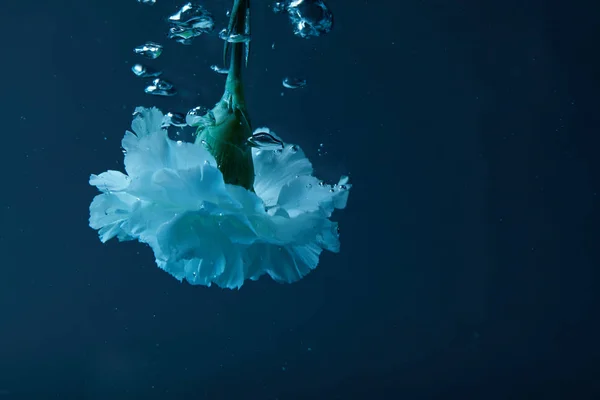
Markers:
150,148
307,194
110,212
284,180
276,168
285,264
146,121
145,154
110,181
193,247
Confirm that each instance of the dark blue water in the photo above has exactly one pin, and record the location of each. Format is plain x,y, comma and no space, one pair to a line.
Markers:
469,246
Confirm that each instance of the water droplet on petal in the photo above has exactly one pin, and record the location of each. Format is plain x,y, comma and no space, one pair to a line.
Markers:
149,50
294,83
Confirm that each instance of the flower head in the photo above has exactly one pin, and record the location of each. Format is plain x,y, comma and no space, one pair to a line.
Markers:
205,230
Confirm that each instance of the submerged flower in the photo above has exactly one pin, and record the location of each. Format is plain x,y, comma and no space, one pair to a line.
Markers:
204,230
218,210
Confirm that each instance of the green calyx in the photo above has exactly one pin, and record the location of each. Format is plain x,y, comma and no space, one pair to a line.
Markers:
227,142
227,138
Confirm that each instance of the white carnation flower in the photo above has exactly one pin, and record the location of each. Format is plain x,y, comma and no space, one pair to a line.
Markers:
203,230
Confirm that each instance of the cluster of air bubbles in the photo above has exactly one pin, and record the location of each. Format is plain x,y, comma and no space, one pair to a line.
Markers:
177,127
309,18
321,150
159,86
341,186
186,126
190,21
152,51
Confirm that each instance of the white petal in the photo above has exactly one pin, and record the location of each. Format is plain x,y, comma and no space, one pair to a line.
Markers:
193,241
110,181
146,121
145,154
343,187
184,155
276,168
285,264
307,194
109,212
156,151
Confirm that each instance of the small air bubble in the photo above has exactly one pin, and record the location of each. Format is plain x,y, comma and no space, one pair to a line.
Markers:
149,50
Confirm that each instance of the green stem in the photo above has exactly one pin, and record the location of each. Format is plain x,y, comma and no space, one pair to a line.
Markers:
227,139
237,25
